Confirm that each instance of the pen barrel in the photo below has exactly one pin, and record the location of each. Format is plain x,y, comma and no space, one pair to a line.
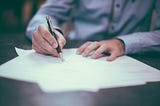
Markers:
51,30
58,47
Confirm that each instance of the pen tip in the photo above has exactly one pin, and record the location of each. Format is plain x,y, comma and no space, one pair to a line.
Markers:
61,56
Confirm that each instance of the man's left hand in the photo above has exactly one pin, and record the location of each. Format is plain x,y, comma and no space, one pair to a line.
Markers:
114,47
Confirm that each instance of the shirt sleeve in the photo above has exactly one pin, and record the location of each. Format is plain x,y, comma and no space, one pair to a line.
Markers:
58,10
144,41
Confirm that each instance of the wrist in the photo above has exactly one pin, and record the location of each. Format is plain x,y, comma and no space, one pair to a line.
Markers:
122,43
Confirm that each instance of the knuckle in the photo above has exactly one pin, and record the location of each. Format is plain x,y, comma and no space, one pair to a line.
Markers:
35,33
88,48
51,41
43,43
45,33
97,52
105,46
95,43
88,42
39,27
42,29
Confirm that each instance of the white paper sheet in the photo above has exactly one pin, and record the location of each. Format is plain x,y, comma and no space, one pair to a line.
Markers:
77,72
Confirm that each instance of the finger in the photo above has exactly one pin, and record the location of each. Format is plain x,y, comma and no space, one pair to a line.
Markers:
43,30
43,45
97,56
38,49
82,48
99,52
112,57
43,51
60,38
93,46
36,46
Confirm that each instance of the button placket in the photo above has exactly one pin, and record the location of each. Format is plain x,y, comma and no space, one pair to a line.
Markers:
117,9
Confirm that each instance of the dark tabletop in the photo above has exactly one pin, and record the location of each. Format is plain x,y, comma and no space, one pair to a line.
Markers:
20,93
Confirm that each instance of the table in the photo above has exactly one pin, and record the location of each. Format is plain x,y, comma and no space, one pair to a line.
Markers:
20,93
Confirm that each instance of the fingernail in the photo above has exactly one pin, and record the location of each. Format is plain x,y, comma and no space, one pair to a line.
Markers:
55,45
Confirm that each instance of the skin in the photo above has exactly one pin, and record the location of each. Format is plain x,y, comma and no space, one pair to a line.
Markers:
43,42
114,47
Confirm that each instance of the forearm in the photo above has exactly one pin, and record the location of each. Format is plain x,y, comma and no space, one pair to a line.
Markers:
57,10
142,41
35,22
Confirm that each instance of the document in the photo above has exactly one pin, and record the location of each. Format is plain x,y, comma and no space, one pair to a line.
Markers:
77,72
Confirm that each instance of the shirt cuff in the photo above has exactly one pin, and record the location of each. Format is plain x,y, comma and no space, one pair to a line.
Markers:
36,21
130,43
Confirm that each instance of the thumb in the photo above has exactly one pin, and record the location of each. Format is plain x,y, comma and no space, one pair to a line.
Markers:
112,56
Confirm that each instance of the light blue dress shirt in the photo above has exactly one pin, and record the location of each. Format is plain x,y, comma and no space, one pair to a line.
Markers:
128,20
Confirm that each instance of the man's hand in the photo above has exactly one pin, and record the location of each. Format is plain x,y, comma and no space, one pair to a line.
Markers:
43,42
114,46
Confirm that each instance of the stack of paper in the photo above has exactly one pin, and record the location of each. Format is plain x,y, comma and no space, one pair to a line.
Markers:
77,72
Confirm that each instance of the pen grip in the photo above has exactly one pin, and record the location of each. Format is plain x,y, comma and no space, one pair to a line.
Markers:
58,47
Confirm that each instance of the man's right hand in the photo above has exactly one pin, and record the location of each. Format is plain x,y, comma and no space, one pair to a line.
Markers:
44,42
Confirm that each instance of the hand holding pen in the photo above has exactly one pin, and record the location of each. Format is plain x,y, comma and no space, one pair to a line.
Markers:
45,43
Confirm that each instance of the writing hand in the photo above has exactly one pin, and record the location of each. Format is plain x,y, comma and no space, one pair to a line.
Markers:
44,42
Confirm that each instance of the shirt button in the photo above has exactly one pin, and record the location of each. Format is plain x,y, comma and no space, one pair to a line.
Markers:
117,5
112,28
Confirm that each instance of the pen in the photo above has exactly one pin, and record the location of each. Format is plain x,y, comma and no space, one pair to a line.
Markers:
52,31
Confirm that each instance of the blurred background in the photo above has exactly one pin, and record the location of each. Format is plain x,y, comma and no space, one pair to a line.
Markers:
15,14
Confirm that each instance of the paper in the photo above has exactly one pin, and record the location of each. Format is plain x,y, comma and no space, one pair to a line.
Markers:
77,72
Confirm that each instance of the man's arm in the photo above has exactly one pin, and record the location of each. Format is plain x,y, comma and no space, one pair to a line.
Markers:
58,10
144,41
125,44
42,40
